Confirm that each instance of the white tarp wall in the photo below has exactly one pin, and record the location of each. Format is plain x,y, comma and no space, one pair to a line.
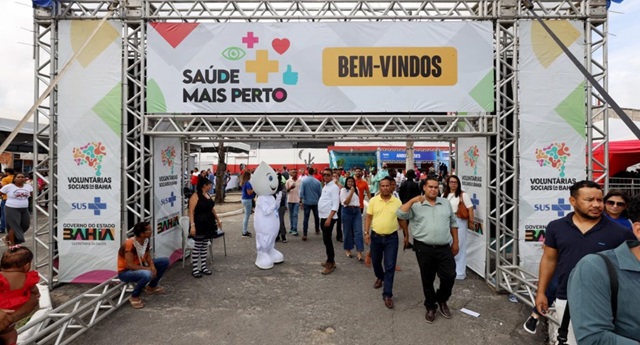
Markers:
552,130
167,196
89,152
320,67
472,171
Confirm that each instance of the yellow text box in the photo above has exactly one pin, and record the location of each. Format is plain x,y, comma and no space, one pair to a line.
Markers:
390,66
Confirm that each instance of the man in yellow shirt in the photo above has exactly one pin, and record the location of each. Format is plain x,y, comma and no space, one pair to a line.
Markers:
381,233
8,179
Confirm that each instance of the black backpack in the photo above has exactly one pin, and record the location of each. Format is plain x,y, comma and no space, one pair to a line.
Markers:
563,331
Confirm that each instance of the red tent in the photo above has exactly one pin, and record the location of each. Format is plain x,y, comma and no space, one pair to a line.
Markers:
622,154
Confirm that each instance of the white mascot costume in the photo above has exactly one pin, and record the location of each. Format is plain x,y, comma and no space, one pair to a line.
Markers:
266,222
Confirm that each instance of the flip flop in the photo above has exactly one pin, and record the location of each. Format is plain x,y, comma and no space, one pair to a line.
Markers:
158,290
136,304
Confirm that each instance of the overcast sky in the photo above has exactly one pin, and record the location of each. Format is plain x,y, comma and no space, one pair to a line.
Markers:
16,57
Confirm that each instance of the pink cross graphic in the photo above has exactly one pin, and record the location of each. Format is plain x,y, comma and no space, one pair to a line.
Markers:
250,40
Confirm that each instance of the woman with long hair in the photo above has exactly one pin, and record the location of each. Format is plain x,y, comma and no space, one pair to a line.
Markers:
615,207
458,198
351,218
204,225
247,201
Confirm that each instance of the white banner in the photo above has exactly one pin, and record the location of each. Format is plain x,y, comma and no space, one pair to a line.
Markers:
472,171
552,130
168,202
320,67
89,152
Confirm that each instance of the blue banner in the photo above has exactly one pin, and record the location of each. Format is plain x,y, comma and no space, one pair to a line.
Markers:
418,156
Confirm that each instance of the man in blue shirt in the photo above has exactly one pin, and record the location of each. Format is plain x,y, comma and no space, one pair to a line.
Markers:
590,292
569,239
310,192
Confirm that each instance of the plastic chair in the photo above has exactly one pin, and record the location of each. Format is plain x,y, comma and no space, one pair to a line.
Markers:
184,224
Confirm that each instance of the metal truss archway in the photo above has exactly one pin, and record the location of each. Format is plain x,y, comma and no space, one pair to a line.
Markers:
501,127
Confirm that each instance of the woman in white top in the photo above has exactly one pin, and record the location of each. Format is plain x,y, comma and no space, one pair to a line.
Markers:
453,192
17,209
351,218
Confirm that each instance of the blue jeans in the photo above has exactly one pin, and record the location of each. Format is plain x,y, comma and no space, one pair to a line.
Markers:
294,207
384,248
305,220
3,221
143,277
247,204
352,225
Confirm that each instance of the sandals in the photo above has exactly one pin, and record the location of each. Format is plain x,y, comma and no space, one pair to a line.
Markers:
360,257
196,274
158,290
349,255
206,271
136,304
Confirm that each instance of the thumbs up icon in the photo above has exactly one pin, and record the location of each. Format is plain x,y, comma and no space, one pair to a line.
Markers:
289,77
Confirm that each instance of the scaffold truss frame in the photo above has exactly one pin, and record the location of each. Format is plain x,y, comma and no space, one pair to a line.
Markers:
501,127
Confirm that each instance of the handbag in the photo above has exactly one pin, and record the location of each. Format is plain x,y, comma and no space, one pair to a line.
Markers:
463,212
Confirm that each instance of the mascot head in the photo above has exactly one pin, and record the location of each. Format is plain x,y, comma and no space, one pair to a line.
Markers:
264,180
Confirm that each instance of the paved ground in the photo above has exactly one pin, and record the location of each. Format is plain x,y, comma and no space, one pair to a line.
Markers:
294,304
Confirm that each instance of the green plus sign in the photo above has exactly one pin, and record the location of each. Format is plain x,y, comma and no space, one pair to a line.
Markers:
262,66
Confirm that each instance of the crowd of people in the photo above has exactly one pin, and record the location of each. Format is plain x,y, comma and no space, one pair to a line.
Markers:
372,211
432,212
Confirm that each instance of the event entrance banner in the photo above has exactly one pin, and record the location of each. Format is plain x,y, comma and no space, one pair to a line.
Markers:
89,152
168,202
472,171
552,131
320,67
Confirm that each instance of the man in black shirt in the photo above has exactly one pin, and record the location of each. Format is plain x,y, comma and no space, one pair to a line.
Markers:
409,189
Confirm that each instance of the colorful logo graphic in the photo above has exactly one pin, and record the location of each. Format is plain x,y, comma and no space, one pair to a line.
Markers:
471,158
535,234
168,155
90,154
554,155
260,64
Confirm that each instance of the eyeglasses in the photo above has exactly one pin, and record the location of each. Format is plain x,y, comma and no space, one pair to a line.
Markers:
616,203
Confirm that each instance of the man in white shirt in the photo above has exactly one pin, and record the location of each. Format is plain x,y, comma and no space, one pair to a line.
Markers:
293,198
328,211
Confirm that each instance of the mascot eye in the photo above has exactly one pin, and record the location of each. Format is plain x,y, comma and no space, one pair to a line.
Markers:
270,178
233,53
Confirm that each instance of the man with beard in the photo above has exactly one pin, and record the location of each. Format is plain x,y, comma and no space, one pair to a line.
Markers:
569,239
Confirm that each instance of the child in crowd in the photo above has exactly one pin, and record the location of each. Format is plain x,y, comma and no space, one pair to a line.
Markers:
17,283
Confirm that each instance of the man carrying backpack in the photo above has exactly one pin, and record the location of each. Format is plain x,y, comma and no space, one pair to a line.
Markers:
569,239
601,312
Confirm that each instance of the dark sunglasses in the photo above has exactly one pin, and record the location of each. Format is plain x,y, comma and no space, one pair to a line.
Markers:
616,203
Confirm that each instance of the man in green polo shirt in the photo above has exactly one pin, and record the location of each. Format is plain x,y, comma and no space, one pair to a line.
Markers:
433,227
590,295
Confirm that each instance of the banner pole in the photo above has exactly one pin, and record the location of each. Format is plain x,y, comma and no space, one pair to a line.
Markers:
53,84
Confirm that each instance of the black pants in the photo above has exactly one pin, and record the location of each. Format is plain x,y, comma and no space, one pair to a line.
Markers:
339,225
435,260
283,230
326,238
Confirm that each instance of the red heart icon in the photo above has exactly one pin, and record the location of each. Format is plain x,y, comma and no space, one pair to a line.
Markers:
280,45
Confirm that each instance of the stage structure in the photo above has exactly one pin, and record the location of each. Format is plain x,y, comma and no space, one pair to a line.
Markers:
151,107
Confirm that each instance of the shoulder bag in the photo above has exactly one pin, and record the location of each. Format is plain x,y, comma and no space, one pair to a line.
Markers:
463,212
